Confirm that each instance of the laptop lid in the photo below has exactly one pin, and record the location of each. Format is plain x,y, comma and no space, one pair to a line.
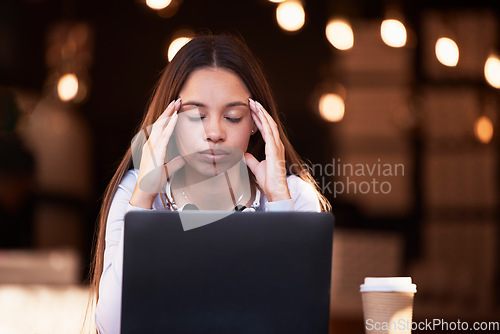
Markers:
249,272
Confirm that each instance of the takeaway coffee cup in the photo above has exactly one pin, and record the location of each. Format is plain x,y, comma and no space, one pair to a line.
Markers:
388,304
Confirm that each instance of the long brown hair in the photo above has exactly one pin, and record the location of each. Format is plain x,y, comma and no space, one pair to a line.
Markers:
212,51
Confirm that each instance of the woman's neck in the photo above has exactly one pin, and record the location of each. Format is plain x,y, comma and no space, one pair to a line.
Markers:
220,192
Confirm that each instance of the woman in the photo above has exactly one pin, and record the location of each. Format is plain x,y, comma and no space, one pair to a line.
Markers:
210,140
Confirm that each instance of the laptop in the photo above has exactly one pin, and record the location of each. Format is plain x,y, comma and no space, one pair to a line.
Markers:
247,272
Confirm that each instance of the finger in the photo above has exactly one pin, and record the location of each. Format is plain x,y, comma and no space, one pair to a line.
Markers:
164,118
273,160
272,124
157,150
137,145
168,130
251,162
265,128
259,112
171,108
257,121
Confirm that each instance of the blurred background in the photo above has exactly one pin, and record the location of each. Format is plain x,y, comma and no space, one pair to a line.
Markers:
394,104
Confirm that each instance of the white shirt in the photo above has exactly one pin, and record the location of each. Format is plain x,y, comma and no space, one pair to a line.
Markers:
108,311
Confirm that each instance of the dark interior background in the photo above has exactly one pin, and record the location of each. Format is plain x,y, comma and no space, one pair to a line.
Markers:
130,42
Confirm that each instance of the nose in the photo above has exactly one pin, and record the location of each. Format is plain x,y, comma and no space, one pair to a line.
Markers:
214,130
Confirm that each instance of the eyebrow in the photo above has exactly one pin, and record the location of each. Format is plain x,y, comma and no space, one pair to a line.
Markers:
201,105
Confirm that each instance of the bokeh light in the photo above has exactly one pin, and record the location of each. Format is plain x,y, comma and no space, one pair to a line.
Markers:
158,4
483,129
339,34
290,15
492,71
393,33
331,107
447,51
67,87
175,46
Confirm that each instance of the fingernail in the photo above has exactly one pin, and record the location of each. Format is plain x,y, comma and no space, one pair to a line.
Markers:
170,104
256,105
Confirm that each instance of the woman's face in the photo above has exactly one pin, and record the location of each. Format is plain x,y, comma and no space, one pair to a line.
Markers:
214,124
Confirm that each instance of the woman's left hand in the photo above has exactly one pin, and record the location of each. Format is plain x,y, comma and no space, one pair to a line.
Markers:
271,172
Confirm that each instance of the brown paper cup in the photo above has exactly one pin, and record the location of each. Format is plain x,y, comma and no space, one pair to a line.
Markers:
388,304
387,312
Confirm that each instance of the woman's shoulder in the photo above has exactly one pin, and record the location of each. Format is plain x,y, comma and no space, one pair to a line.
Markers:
131,173
301,189
129,179
298,183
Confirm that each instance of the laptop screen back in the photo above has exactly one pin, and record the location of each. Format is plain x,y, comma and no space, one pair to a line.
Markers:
250,272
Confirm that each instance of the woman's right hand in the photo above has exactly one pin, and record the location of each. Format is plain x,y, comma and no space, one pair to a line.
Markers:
153,171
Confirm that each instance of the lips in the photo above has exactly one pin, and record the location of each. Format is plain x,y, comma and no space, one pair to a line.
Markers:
214,156
214,152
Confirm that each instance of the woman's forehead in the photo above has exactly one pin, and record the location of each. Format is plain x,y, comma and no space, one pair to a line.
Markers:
212,83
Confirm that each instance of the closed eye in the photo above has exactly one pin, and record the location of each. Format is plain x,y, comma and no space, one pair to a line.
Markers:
195,118
233,119
199,118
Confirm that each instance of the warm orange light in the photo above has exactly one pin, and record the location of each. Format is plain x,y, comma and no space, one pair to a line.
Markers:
67,87
175,46
483,129
290,15
158,4
331,107
492,71
447,51
339,34
393,33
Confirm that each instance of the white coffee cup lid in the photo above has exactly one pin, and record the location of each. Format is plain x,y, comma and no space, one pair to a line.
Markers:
386,284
